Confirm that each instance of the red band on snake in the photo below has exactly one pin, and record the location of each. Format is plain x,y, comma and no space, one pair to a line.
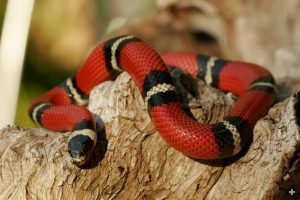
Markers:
255,86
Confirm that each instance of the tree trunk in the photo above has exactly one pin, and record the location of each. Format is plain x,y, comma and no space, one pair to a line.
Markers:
131,160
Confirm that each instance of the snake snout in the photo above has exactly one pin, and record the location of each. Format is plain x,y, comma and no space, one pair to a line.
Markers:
78,160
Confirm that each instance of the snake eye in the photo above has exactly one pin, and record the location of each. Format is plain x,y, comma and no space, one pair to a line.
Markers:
80,148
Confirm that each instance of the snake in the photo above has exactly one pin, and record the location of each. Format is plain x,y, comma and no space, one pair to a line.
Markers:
62,108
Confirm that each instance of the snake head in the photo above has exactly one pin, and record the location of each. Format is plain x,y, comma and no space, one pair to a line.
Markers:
81,145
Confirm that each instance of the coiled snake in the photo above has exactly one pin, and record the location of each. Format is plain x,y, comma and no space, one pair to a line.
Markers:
61,108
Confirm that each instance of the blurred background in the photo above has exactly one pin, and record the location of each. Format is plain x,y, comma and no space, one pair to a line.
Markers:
61,35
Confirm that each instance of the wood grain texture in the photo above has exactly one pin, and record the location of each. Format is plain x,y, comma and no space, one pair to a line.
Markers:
138,164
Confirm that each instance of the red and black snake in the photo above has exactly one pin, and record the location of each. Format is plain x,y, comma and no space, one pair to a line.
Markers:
61,108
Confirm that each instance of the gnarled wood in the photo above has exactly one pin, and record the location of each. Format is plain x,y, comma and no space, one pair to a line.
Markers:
139,164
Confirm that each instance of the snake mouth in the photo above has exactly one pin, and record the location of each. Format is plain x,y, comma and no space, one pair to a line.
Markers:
78,159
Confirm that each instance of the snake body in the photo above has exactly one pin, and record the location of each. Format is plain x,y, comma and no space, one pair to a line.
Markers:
62,108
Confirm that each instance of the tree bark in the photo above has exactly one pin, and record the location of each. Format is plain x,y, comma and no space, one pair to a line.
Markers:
131,160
